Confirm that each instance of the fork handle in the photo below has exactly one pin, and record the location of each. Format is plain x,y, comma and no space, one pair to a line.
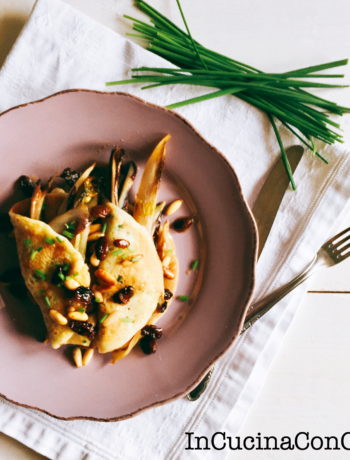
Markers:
266,303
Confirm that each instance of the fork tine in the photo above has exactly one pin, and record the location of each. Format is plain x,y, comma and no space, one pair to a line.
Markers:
337,244
341,250
334,238
342,257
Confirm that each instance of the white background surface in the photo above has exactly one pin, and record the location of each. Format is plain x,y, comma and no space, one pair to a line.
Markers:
307,388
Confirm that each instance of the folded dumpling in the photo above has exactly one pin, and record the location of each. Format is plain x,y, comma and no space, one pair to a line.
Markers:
41,252
138,286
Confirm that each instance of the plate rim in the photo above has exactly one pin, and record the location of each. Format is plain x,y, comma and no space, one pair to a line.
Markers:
252,260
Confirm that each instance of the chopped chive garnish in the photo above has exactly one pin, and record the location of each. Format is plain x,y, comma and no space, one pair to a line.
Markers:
68,234
61,276
27,242
120,279
98,300
103,318
117,252
34,253
47,301
71,226
120,226
65,267
59,240
195,264
82,310
49,241
84,341
183,298
39,275
104,227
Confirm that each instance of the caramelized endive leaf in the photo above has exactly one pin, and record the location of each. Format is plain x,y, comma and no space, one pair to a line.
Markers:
146,197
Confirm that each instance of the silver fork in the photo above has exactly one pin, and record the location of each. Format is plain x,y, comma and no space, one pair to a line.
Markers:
332,252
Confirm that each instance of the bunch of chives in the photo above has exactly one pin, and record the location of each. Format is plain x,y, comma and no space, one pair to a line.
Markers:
282,96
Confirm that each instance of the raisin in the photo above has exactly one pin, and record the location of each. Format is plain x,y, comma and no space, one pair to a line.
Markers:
123,295
26,185
120,243
182,224
83,295
154,332
101,248
148,345
167,294
70,176
83,328
161,307
99,211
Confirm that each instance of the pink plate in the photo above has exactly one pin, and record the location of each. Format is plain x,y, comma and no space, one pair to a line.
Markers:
74,128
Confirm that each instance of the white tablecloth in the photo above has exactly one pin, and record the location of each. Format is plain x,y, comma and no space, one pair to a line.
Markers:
60,48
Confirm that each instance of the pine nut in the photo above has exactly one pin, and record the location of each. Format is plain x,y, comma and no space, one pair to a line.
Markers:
78,316
88,354
94,261
77,357
105,277
77,266
71,284
95,236
166,261
98,296
95,228
173,207
168,273
58,317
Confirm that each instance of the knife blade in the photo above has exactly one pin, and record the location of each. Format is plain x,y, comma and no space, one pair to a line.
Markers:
271,194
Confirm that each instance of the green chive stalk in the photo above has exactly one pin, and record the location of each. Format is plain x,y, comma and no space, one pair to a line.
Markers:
282,96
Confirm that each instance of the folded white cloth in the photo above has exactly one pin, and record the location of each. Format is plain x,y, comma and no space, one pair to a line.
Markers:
60,48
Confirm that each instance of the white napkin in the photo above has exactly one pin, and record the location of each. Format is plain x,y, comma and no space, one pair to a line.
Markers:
60,48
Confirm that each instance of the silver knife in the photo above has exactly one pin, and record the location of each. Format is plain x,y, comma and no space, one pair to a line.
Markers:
271,194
